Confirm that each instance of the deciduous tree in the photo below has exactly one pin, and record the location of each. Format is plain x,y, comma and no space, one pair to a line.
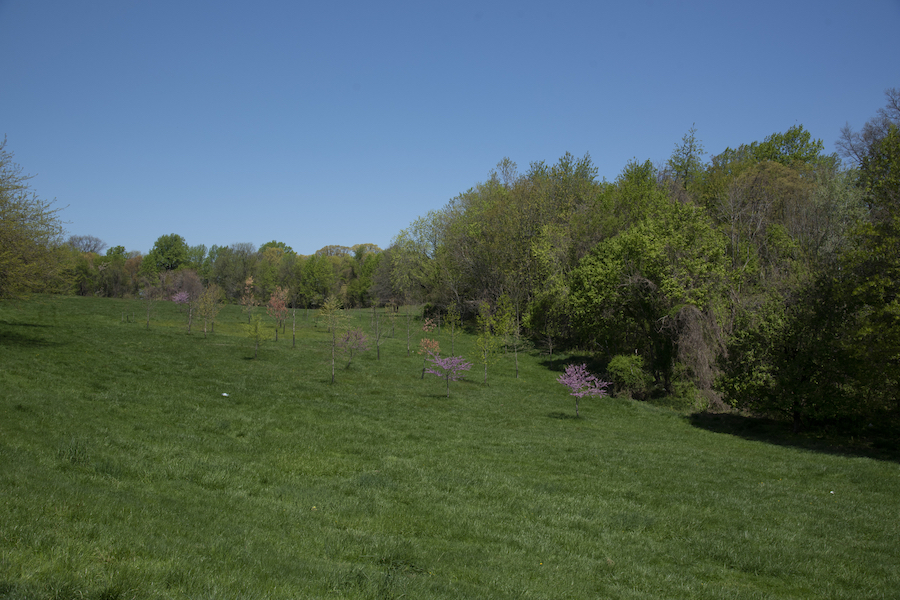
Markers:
353,342
30,233
248,297
450,368
488,340
169,252
333,315
582,383
277,308
209,305
86,243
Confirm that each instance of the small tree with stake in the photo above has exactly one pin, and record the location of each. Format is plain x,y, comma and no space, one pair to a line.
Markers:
334,317
183,299
277,308
450,368
353,342
582,383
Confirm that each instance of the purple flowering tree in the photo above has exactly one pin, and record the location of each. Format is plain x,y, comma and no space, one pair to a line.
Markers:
450,368
582,383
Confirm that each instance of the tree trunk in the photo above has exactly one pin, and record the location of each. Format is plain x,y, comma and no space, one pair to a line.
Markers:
333,344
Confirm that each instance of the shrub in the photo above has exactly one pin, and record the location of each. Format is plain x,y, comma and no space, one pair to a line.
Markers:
628,374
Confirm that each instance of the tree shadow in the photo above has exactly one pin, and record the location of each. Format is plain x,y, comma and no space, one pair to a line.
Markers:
23,335
878,444
563,416
559,362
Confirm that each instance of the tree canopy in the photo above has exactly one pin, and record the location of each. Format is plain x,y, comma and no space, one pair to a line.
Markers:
30,234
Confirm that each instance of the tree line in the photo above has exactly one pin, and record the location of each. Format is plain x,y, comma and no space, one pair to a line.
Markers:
764,277
345,272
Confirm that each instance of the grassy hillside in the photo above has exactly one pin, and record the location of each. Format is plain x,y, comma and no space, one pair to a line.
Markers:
125,472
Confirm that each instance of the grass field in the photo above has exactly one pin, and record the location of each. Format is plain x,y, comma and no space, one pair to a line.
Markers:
125,472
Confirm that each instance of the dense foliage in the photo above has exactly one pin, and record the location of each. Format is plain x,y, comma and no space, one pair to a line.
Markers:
764,276
30,232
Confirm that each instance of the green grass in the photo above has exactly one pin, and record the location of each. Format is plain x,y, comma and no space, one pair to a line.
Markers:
125,473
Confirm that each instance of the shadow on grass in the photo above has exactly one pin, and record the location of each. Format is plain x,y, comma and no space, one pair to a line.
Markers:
880,445
563,416
559,362
20,334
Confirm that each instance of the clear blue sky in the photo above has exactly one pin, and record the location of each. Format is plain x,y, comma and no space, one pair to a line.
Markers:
316,123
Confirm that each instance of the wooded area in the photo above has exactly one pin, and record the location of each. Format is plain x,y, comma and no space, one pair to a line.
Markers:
764,278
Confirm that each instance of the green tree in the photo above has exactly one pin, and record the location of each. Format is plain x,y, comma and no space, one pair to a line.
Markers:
117,252
256,333
332,313
632,292
208,306
793,362
873,269
169,252
507,328
30,234
316,281
231,266
453,320
488,341
685,165
196,257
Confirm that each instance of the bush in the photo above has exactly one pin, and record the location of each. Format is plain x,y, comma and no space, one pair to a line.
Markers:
628,375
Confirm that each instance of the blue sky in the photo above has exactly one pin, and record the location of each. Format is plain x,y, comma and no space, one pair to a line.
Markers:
341,122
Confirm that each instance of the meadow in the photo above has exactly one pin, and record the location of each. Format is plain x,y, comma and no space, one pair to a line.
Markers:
127,472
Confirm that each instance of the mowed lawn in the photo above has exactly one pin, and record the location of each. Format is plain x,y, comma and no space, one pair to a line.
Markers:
127,472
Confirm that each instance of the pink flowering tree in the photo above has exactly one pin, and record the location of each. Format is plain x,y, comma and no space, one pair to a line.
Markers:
277,308
428,347
450,368
353,342
184,300
582,383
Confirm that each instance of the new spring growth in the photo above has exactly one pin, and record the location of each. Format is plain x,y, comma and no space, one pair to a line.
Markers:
429,346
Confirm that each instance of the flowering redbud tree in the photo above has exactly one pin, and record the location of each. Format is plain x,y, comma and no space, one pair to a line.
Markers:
450,368
352,342
582,383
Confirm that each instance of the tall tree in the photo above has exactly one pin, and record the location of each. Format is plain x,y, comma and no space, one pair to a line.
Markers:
86,243
856,145
629,294
30,233
169,252
685,165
